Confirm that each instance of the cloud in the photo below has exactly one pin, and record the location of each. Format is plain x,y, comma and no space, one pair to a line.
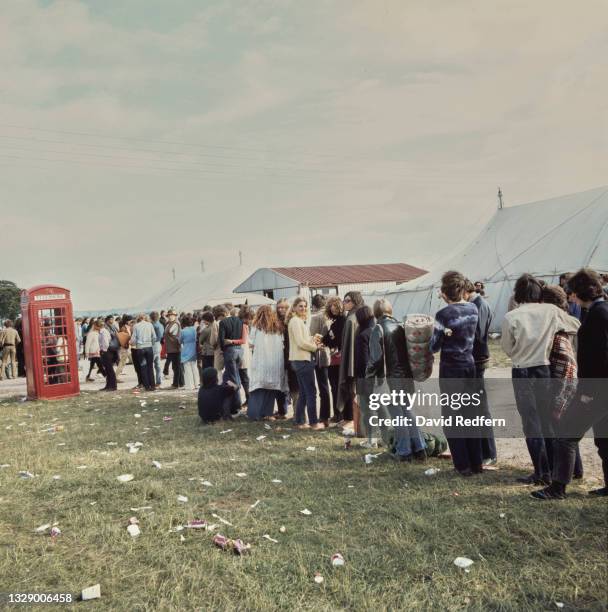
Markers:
319,132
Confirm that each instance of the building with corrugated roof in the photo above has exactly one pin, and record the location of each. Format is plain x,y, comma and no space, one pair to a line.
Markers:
279,283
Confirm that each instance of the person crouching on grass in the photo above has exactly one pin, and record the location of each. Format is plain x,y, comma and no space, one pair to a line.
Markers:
217,401
302,349
454,335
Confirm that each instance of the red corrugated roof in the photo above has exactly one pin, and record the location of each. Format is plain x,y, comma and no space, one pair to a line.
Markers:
325,276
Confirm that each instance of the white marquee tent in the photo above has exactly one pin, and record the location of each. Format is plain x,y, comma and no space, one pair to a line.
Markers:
196,291
543,238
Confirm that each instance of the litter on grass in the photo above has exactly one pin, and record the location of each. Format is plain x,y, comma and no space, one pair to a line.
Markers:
133,530
267,537
125,477
337,560
141,508
431,471
266,426
182,498
318,578
226,431
311,448
82,467
254,504
285,436
25,474
241,474
306,512
43,528
55,531
238,546
206,483
282,529
56,477
221,520
276,481
197,524
92,592
137,415
259,438
167,418
157,464
463,562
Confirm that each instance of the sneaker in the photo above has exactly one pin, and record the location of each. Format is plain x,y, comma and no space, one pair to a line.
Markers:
603,492
553,491
533,479
464,473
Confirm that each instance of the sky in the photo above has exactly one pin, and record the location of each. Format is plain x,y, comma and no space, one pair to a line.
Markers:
145,136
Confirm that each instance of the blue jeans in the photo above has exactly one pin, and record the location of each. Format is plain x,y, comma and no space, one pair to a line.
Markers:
408,439
233,356
532,388
157,367
305,373
146,364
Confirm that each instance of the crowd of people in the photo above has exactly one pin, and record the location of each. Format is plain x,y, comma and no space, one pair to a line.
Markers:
322,364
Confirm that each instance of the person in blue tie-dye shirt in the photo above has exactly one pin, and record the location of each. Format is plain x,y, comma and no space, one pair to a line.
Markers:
454,335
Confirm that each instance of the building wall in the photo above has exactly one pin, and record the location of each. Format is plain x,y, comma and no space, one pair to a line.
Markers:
290,292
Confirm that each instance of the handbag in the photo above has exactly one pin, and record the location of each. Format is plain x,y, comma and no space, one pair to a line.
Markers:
335,358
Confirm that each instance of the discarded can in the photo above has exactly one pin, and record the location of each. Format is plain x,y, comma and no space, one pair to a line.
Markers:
240,548
337,560
197,524
55,531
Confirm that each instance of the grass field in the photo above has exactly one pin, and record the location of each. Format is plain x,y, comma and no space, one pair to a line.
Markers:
398,530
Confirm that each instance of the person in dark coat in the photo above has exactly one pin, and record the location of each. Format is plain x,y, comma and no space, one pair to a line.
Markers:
364,386
216,401
389,362
333,341
352,301
590,405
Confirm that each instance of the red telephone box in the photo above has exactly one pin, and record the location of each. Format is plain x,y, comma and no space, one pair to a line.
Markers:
49,343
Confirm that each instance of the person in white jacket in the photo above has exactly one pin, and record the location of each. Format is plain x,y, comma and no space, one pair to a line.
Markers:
267,376
527,337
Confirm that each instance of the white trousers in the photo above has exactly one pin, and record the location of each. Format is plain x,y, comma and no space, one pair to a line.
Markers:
191,380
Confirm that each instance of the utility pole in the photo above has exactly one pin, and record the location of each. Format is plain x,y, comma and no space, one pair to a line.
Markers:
240,258
203,266
499,198
173,270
